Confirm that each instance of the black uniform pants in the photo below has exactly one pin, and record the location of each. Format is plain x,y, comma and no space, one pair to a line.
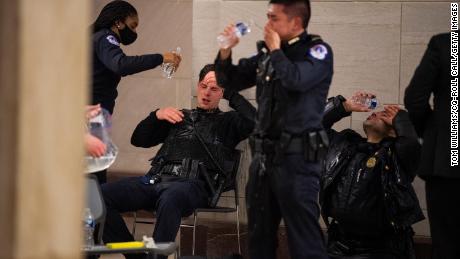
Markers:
101,176
385,246
443,202
170,200
288,191
368,256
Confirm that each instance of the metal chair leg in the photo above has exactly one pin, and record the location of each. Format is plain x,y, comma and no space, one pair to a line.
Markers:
133,232
238,228
194,232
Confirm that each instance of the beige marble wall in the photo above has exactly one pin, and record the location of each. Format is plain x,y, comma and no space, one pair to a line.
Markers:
43,87
377,46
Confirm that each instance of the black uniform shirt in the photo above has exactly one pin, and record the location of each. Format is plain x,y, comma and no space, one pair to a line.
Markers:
433,124
303,69
110,64
218,129
354,170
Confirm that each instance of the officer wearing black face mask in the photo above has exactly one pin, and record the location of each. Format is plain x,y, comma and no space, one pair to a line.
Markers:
117,24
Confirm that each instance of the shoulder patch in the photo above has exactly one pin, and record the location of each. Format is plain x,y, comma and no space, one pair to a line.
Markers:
113,40
318,51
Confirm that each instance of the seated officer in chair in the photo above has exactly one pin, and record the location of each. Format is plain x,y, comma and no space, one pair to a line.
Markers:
191,167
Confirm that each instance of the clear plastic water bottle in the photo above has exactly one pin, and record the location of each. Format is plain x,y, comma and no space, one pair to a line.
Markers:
369,102
88,229
99,126
169,68
241,29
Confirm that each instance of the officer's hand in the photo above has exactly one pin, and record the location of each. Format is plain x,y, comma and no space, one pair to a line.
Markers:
172,57
92,111
170,114
233,40
94,146
272,38
389,113
351,106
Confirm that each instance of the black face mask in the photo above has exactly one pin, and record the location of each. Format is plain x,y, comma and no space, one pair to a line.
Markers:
127,36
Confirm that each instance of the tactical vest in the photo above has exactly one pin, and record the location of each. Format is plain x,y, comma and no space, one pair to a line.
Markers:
182,143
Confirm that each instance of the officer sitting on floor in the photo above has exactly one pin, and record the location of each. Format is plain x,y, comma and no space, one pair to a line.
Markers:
186,173
366,195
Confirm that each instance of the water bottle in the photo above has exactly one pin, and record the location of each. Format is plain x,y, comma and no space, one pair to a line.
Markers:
99,126
169,68
368,102
88,229
241,29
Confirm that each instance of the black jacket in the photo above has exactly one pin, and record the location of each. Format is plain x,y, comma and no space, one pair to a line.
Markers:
378,175
292,84
433,76
220,130
110,64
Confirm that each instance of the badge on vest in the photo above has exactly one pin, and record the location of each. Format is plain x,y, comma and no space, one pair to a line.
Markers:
113,40
318,51
371,162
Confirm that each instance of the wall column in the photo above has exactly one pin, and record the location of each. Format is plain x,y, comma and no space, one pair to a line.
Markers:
44,65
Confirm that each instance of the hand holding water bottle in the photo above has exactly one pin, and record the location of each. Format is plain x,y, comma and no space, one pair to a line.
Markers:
171,61
230,37
361,102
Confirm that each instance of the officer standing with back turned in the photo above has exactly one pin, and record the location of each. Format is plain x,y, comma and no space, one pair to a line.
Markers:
292,71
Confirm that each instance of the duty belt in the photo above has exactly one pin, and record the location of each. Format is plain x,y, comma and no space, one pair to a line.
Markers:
188,168
173,170
260,145
311,144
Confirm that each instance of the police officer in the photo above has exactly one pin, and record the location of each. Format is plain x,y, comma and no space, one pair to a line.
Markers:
117,24
187,170
366,196
435,78
292,71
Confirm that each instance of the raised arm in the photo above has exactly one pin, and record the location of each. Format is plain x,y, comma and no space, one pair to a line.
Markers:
236,77
244,120
111,55
241,105
407,147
